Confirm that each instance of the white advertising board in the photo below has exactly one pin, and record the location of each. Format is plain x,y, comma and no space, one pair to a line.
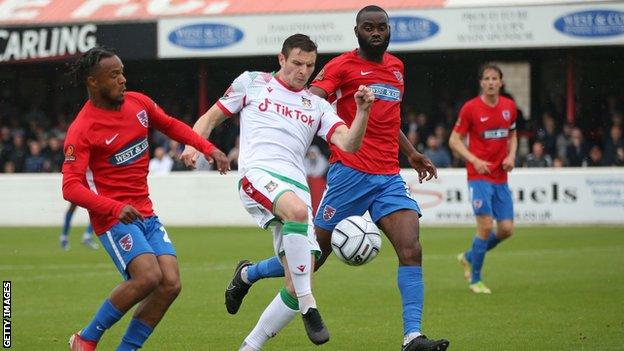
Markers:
561,196
412,30
251,35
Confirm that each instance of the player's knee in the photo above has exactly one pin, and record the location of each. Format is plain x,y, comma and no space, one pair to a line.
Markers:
171,288
149,280
300,213
410,255
504,233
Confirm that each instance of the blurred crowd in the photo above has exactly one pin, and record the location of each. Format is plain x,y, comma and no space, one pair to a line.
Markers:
31,142
547,141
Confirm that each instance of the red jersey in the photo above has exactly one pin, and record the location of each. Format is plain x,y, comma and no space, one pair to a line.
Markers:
107,156
340,79
488,134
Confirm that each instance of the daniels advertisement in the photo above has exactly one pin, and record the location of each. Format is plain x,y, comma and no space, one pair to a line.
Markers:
570,196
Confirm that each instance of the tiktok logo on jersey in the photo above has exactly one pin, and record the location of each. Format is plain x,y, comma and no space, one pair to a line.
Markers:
130,153
285,111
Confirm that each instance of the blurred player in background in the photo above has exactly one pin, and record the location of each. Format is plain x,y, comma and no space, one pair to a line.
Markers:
105,171
368,179
488,121
87,236
279,118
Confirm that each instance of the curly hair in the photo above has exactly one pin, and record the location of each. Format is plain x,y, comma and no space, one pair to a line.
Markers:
88,62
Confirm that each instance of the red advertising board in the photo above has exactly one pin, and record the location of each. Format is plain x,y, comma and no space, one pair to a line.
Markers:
19,12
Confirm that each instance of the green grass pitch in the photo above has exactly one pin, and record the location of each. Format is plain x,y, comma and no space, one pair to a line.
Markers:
554,288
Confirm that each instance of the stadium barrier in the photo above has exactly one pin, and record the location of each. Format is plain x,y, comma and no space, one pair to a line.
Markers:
542,196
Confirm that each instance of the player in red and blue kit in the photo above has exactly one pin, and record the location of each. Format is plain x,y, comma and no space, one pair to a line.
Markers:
369,178
489,123
105,171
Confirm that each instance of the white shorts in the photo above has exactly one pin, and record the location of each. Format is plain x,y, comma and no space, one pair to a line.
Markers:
259,190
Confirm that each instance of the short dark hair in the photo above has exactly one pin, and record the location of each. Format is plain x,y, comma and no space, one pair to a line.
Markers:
299,41
369,8
87,63
489,65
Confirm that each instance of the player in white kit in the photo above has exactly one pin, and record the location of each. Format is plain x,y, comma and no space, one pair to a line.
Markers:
279,118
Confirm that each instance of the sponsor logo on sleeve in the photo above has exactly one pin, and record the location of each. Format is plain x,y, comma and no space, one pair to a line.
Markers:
69,153
227,93
320,75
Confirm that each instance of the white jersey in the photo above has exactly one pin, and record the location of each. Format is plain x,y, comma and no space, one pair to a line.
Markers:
277,124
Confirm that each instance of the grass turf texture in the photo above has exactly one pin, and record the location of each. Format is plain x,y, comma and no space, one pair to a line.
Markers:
553,289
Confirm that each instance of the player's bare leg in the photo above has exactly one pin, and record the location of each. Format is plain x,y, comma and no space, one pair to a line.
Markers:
402,229
145,276
153,308
504,229
324,239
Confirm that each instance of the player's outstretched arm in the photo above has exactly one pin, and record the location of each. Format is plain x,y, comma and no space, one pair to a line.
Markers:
421,163
457,144
204,126
350,139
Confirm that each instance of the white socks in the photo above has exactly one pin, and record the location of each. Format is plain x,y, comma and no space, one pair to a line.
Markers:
411,336
274,318
297,250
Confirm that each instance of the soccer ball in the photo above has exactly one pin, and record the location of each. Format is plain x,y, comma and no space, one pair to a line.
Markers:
356,240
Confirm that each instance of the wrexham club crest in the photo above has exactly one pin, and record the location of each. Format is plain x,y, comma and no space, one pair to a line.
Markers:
307,103
271,186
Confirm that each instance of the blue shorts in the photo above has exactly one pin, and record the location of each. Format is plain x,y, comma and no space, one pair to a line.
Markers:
488,199
123,242
350,192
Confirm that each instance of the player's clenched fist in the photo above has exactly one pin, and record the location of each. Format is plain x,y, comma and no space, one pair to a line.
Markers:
364,97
